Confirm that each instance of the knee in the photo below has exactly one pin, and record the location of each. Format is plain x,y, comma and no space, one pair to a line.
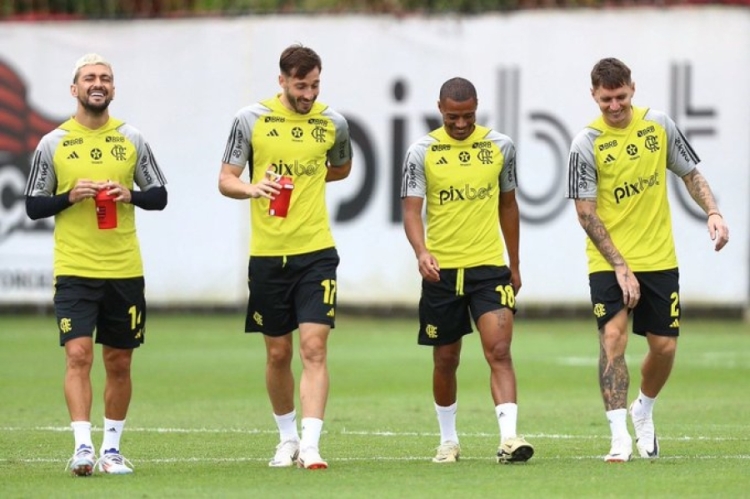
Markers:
447,360
78,356
313,351
279,355
665,347
499,352
117,362
613,340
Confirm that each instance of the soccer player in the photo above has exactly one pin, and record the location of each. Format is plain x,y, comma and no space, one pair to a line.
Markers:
465,174
618,178
98,273
293,259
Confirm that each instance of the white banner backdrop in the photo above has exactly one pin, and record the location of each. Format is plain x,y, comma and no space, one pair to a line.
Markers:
181,82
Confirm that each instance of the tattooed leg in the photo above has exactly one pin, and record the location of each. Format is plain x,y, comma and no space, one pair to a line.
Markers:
614,378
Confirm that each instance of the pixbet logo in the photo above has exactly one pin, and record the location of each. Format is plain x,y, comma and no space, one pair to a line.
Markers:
295,169
549,131
540,188
467,193
629,189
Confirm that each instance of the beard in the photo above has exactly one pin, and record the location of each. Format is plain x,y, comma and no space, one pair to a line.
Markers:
299,107
95,109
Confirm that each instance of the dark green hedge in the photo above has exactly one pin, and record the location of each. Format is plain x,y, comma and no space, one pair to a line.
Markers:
127,9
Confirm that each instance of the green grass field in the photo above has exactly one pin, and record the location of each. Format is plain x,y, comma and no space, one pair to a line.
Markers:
200,423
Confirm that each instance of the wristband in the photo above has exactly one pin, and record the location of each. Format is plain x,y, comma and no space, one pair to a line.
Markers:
711,213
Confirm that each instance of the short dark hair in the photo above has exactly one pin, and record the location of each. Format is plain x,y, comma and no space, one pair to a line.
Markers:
297,60
610,73
458,89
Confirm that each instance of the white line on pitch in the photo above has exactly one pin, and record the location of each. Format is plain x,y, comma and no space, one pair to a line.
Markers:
256,431
374,458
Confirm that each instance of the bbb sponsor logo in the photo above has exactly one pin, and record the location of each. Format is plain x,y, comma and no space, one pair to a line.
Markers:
607,145
646,131
274,119
440,147
111,138
481,145
73,142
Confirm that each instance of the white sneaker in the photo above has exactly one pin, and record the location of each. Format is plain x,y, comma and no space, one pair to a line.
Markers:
645,434
114,463
514,450
286,454
310,459
82,462
621,451
447,452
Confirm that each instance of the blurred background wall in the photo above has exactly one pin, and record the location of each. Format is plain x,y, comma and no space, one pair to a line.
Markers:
184,67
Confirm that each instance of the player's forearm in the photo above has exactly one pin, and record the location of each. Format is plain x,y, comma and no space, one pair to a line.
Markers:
38,207
698,188
599,235
415,233
510,227
233,187
151,199
340,172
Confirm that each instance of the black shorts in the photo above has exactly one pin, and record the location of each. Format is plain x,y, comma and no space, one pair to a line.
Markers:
288,290
658,310
116,308
446,307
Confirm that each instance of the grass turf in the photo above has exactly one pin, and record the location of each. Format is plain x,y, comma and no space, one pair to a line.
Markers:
200,422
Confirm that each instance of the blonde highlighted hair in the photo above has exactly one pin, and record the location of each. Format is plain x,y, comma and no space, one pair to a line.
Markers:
88,60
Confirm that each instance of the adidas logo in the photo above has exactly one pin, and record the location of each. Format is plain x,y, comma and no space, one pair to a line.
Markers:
112,430
675,324
331,313
73,155
442,161
272,133
609,159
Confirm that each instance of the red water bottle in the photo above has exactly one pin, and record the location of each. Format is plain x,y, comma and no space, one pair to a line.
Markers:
106,210
279,206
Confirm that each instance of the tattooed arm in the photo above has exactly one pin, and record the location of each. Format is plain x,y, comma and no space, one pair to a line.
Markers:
701,193
597,232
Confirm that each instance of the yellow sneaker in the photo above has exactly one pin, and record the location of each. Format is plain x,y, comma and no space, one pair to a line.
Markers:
514,450
448,452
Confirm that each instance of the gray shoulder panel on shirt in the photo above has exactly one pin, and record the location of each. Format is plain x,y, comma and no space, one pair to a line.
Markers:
42,179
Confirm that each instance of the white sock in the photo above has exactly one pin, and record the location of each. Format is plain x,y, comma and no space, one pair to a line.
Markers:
646,404
311,430
112,433
82,433
287,425
618,422
507,418
447,421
